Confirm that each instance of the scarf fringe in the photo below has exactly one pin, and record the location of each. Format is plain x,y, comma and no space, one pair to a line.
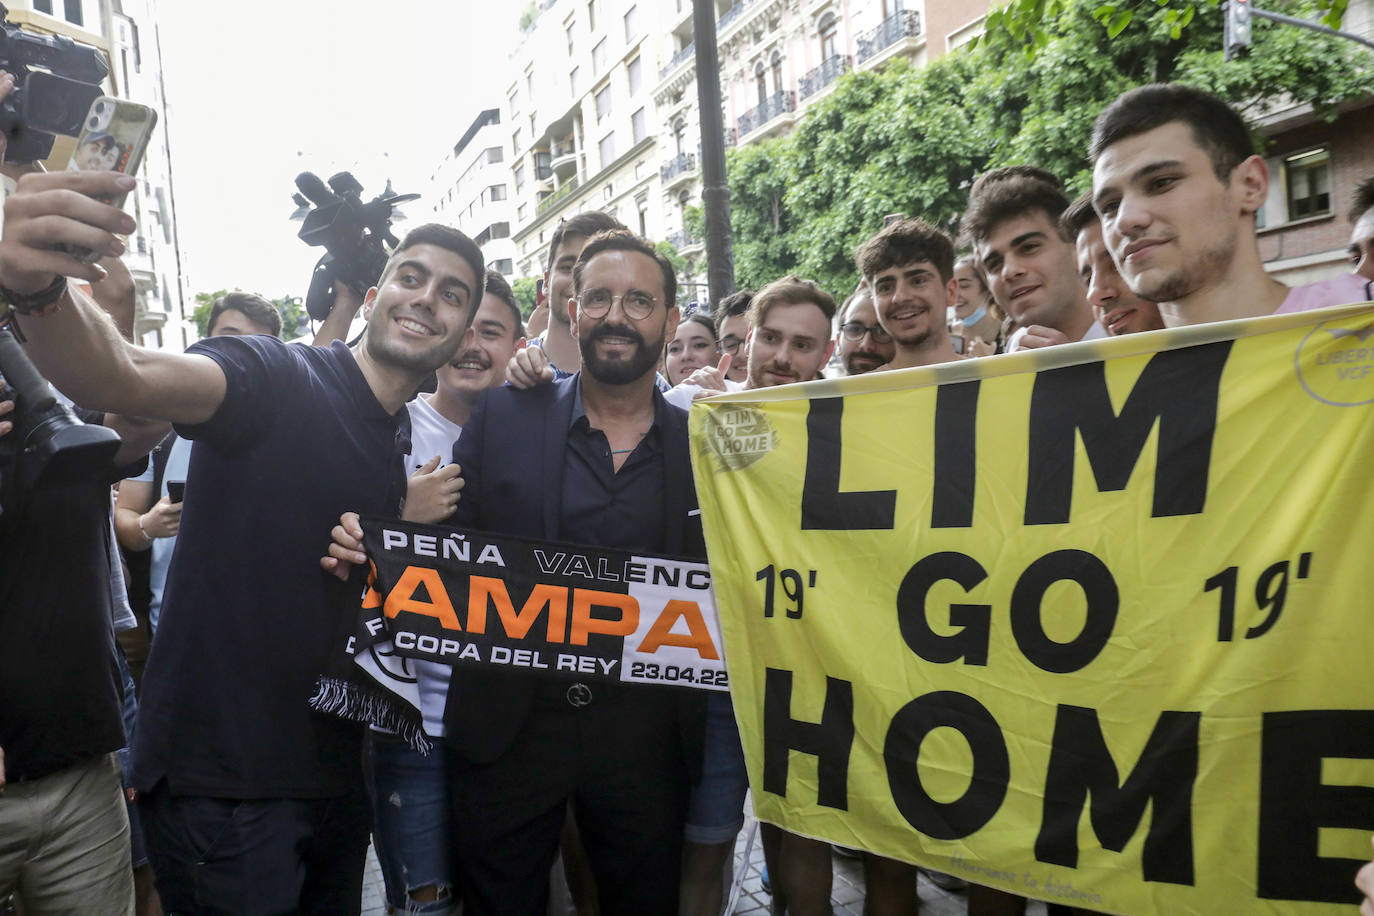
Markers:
348,700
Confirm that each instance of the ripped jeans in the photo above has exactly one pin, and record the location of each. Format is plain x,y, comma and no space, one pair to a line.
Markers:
410,829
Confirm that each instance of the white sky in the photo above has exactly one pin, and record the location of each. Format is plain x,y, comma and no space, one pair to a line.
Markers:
260,92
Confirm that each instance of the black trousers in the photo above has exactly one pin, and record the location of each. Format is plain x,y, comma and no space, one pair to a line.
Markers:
620,761
248,856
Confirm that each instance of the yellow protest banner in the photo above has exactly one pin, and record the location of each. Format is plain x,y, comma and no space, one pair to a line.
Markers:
1089,624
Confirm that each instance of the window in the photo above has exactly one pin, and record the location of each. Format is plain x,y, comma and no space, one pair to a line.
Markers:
72,12
572,79
503,266
777,71
43,6
643,222
496,192
520,212
607,193
568,30
500,230
639,126
515,142
635,71
679,131
494,154
891,7
761,82
591,15
1308,177
599,57
603,103
829,34
514,101
631,23
519,178
607,147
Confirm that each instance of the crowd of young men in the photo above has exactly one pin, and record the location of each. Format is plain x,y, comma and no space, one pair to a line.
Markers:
252,801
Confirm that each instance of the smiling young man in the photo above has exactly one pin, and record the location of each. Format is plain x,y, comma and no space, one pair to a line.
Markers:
909,265
1114,305
1177,184
238,776
1012,221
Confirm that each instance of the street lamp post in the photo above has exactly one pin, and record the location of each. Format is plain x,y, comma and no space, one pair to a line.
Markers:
715,194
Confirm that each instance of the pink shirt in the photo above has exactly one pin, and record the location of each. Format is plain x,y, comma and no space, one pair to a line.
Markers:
1342,290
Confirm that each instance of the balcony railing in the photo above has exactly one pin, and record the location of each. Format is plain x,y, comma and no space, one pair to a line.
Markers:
677,60
732,14
824,75
683,239
568,187
901,24
773,106
678,165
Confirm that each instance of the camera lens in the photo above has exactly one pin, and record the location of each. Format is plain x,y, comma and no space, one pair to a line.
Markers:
94,123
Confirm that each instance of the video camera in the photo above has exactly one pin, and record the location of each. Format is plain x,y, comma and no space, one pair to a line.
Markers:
356,236
55,79
48,446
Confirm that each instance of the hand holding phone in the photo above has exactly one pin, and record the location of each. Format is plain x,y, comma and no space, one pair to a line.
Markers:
176,490
113,138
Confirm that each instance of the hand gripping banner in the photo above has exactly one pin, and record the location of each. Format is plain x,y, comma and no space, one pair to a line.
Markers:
1089,624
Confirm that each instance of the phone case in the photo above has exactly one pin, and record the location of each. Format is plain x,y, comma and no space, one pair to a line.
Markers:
114,137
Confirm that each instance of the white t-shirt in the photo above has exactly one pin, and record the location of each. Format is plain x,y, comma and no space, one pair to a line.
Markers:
1095,332
683,394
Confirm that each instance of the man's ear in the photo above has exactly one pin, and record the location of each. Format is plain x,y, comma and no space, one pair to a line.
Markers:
572,315
1250,182
829,352
368,299
670,324
951,292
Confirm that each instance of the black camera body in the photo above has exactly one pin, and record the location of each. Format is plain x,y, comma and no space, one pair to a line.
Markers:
356,236
55,79
49,446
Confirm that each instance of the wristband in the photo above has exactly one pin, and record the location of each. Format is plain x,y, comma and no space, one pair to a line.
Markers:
144,531
35,303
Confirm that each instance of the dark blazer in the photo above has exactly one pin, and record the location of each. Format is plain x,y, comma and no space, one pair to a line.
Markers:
512,453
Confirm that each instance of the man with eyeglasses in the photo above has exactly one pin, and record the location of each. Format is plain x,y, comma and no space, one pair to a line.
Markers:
862,342
597,458
732,327
909,265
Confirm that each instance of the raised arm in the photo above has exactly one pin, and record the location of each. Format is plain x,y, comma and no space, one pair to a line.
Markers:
72,341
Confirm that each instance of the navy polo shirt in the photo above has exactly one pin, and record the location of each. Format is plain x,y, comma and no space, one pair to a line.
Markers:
249,620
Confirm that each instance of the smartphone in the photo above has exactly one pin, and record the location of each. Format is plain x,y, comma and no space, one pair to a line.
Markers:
958,341
114,137
176,490
538,292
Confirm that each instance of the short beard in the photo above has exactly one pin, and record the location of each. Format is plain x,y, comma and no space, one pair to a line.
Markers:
421,362
1210,263
619,372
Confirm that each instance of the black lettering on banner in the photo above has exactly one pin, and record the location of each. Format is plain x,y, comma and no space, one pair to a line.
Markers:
1027,625
1295,805
956,455
1081,765
1178,388
991,766
823,506
974,620
829,741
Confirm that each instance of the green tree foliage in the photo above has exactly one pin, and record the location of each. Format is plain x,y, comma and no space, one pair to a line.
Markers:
912,141
291,309
525,294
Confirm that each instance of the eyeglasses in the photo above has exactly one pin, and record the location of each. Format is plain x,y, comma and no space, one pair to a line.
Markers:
855,330
596,303
730,344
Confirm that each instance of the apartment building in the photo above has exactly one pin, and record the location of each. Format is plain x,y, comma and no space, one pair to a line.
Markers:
125,33
471,189
1314,167
602,106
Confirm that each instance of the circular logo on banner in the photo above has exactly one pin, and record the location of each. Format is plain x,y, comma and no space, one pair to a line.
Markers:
1335,361
739,436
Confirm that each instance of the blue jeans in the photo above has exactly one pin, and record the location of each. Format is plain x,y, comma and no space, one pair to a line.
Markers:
410,830
715,809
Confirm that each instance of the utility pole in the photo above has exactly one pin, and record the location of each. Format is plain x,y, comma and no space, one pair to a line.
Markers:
1236,38
715,194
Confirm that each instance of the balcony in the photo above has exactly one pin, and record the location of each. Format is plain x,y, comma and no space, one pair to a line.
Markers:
901,25
772,108
677,60
732,14
563,160
682,241
823,76
679,168
568,187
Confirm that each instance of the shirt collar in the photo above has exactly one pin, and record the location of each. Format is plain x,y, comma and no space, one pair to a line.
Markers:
580,413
